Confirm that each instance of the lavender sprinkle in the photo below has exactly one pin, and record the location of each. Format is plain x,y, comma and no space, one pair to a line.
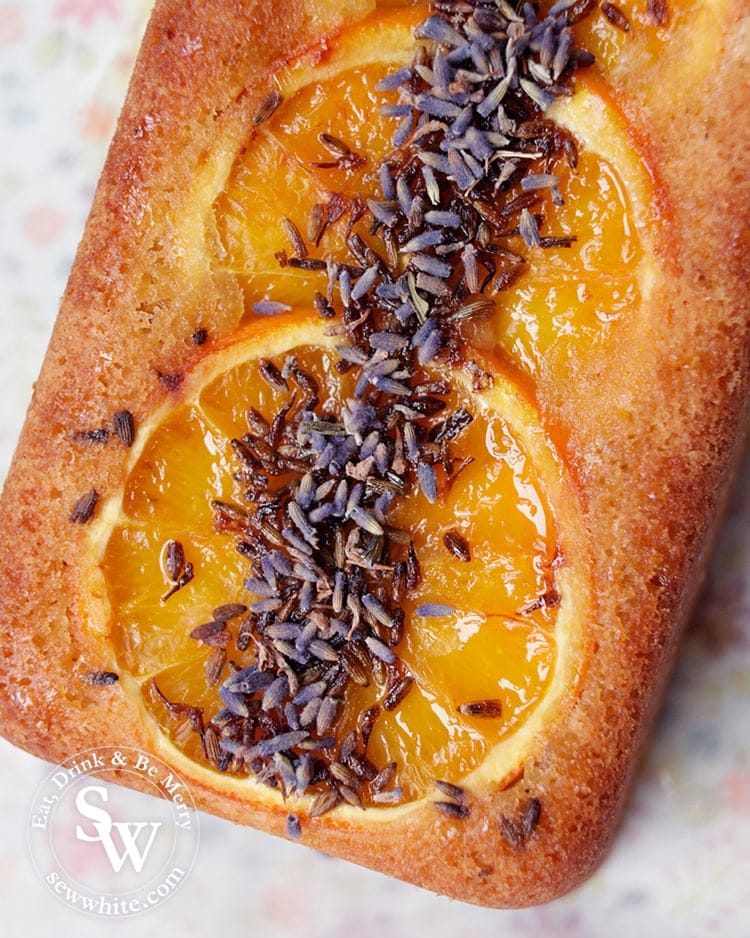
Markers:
394,81
270,308
435,610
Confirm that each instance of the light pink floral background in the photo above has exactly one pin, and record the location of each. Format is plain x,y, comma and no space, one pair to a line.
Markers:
681,863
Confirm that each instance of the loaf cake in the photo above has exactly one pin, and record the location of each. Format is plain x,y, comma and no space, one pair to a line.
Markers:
390,409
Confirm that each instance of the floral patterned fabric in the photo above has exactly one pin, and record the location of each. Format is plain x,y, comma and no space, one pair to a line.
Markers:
679,865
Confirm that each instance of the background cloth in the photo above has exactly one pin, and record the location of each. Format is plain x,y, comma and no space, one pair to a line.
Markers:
681,862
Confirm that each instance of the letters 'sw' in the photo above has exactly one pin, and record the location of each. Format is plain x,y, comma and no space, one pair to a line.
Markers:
131,834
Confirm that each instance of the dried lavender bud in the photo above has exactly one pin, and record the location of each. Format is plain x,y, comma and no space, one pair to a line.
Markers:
83,509
100,678
124,426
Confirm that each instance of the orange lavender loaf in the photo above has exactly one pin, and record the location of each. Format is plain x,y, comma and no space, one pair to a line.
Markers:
394,396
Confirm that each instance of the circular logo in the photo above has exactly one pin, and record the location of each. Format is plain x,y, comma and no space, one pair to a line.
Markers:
106,850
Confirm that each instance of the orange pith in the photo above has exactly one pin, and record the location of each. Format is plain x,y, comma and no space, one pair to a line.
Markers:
508,618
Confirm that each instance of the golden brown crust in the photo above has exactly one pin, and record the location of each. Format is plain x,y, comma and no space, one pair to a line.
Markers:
651,433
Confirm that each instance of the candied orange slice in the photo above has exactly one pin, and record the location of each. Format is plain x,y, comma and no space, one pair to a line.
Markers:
552,307
491,636
288,172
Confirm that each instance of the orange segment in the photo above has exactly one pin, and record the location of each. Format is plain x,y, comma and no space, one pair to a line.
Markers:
606,38
657,28
499,640
265,187
569,300
150,631
298,125
166,489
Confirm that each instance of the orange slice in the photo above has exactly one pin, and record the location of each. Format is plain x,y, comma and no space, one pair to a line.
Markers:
490,640
567,300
